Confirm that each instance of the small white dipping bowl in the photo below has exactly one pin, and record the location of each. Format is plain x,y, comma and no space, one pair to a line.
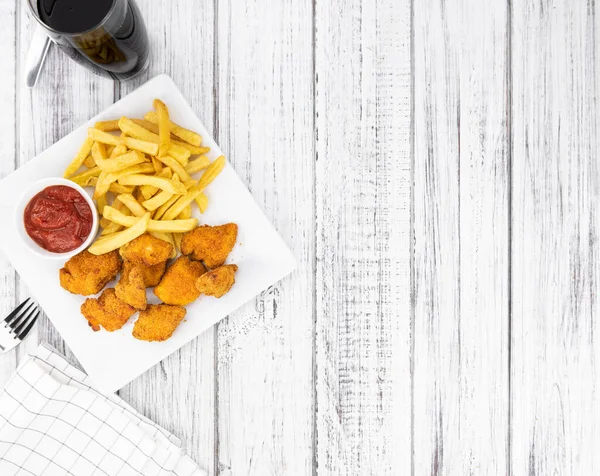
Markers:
31,192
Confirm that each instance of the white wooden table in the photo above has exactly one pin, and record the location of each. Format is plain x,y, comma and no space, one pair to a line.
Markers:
434,167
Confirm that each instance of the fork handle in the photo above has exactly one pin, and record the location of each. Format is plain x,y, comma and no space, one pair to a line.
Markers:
38,49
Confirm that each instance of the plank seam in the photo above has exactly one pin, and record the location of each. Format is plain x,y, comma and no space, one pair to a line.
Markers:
412,238
314,258
509,113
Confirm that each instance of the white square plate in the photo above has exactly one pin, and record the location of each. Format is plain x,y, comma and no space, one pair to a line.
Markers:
113,359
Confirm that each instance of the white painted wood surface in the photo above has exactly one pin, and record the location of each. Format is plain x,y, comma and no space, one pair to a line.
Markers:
363,213
461,233
555,372
434,167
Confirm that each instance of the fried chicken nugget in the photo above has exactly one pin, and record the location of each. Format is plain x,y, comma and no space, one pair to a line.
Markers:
152,274
131,288
87,274
217,282
107,311
178,285
148,250
158,322
211,244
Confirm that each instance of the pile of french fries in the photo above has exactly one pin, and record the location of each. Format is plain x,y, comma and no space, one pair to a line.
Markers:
143,178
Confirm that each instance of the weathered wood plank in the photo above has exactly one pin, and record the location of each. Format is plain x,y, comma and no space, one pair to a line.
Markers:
556,146
8,153
179,393
363,213
461,248
265,126
65,96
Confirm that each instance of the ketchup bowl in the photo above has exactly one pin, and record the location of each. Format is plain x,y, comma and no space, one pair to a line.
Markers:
53,218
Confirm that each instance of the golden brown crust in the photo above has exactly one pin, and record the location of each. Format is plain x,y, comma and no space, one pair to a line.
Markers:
178,285
87,274
107,311
158,322
210,244
147,250
217,282
131,288
152,274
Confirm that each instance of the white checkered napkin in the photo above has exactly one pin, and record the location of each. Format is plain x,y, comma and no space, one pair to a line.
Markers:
52,422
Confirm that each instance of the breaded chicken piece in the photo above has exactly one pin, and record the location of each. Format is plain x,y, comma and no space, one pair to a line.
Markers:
178,285
87,274
218,281
152,274
147,249
158,322
211,244
107,311
131,288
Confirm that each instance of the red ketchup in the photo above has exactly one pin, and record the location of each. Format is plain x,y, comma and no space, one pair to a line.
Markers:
58,219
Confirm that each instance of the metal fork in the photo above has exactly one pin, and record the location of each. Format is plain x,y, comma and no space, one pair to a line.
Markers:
17,325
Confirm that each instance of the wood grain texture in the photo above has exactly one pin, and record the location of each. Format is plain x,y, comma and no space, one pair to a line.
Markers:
363,212
265,127
8,152
179,393
461,248
555,367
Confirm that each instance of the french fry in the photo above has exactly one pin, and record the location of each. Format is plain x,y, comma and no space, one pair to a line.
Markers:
118,188
133,157
175,166
157,200
116,151
157,164
107,126
101,203
177,239
181,203
173,226
107,178
84,151
116,240
109,150
166,237
163,183
89,162
181,154
130,202
148,191
178,151
161,226
202,202
104,137
197,165
109,227
158,214
190,183
164,126
186,213
194,150
85,178
211,172
141,145
184,134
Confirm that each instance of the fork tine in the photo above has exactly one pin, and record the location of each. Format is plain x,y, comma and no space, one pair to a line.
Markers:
14,322
23,320
8,318
21,334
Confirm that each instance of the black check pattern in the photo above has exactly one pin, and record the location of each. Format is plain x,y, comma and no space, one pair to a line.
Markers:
52,422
